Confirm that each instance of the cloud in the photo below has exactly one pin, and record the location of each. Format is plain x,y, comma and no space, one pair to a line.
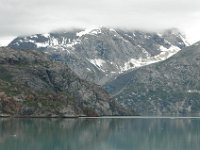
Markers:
20,17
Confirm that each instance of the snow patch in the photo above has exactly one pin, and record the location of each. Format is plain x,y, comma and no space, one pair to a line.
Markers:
113,30
163,49
89,31
159,34
129,36
165,54
113,72
98,63
147,37
54,41
31,41
88,69
33,36
194,91
184,40
46,35
75,42
96,31
42,44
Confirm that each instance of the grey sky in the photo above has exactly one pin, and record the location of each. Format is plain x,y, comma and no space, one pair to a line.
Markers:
21,17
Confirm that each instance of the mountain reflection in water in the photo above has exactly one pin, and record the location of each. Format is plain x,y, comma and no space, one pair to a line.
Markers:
100,134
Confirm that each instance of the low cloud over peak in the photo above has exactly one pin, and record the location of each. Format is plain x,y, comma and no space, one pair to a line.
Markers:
20,17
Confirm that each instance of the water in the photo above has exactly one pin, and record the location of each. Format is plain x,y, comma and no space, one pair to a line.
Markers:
100,134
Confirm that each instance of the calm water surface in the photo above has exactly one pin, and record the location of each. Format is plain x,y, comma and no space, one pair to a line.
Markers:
100,134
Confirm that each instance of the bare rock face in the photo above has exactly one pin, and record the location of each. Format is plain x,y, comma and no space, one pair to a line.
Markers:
33,85
100,54
164,88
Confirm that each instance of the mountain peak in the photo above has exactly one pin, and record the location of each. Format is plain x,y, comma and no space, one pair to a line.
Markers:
91,31
178,34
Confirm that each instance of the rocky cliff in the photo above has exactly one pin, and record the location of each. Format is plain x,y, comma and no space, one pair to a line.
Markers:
33,85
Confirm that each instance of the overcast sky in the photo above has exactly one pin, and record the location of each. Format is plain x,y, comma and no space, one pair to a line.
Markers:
22,17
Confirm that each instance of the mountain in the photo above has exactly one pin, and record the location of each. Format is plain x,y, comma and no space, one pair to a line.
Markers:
100,54
33,85
168,87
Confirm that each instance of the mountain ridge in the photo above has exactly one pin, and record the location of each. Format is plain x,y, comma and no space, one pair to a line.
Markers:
165,88
100,54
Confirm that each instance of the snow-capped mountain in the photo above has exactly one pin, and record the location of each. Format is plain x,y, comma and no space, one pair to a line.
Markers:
99,54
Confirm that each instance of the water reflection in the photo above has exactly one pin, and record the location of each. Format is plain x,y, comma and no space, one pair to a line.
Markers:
99,134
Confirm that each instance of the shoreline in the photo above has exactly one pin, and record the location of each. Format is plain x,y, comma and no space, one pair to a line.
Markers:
10,116
100,117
